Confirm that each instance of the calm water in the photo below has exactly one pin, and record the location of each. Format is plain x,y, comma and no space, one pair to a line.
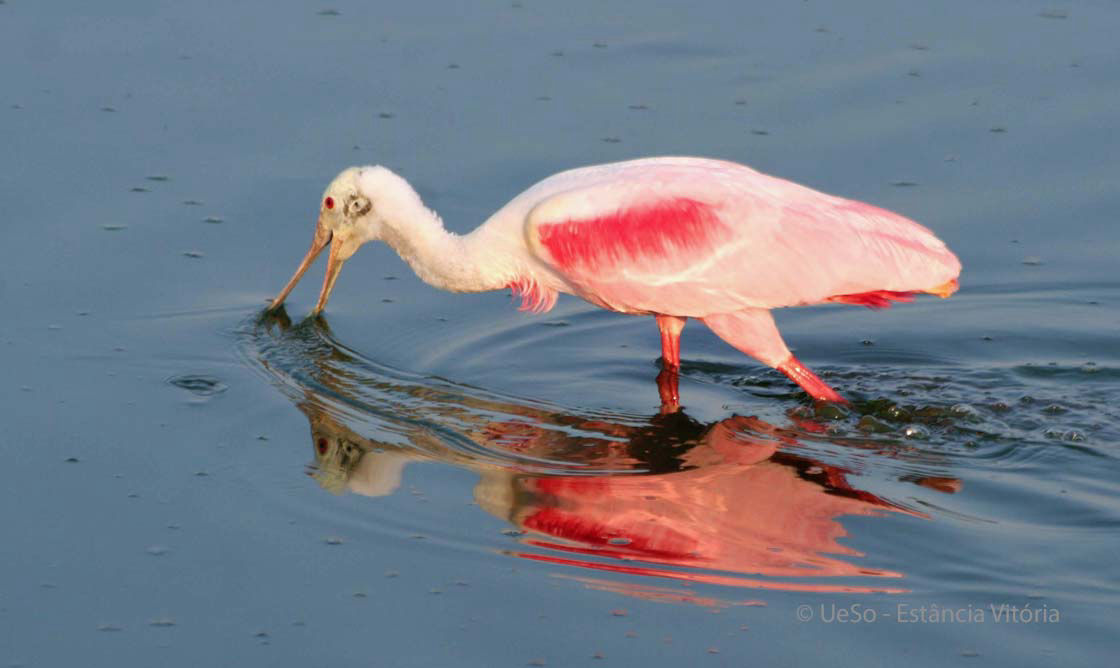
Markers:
426,479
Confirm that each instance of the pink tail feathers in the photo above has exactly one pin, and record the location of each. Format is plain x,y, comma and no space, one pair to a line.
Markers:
753,332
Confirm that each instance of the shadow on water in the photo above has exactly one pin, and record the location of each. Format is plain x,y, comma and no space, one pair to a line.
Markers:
738,502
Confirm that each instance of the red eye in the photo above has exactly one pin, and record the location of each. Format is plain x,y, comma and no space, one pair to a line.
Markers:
322,441
329,202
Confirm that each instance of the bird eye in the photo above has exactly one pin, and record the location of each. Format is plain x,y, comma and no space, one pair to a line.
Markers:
329,202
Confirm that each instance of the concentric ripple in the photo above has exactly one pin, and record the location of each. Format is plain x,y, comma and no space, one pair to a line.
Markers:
743,501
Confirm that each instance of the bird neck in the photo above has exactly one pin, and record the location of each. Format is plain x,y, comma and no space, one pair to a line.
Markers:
441,258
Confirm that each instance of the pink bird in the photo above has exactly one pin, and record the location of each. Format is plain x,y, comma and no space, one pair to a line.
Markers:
674,238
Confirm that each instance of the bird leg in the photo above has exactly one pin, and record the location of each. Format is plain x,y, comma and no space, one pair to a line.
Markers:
753,332
668,380
800,374
670,326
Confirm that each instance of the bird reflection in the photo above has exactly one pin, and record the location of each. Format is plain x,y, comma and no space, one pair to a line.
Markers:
731,503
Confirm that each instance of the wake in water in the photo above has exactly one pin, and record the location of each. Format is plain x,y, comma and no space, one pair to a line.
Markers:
737,502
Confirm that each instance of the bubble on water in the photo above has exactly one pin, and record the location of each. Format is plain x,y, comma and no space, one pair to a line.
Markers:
612,140
108,109
162,622
193,254
998,129
599,45
157,550
1055,409
904,184
830,411
392,574
213,220
915,431
867,342
110,628
1053,14
544,98
386,115
872,425
261,634
333,540
203,386
452,66
329,12
969,653
72,460
919,46
114,228
598,656
962,410
620,612
1089,367
1073,435
360,594
159,178
191,202
760,133
1032,261
139,189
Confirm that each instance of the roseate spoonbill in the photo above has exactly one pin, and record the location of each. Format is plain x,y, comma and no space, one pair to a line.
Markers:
671,237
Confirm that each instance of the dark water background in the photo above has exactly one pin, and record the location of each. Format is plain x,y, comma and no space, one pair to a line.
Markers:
514,495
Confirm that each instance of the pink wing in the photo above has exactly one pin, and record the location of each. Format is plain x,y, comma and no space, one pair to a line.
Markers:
699,237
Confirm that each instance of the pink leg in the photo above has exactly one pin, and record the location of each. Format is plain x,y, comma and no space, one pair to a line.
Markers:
668,379
670,326
752,331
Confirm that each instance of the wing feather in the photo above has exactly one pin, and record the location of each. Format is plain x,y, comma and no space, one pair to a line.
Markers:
701,237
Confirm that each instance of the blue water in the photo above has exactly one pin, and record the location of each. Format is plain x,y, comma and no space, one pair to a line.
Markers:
426,479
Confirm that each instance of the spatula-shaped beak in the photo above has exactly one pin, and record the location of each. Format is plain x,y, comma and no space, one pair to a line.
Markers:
318,243
343,245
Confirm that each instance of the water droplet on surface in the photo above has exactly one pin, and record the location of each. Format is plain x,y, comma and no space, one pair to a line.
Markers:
203,386
830,411
110,628
392,574
915,431
1032,261
329,12
872,425
760,133
192,254
108,109
72,460
139,189
191,202
904,184
159,178
612,140
114,228
1053,14
213,220
157,550
333,540
162,622
385,114
999,129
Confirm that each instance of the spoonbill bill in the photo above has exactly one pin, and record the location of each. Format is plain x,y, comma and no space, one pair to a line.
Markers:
669,237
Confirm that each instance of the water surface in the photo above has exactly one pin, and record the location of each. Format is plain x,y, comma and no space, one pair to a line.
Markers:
423,478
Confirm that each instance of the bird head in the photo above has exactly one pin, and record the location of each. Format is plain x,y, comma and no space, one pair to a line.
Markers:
348,218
